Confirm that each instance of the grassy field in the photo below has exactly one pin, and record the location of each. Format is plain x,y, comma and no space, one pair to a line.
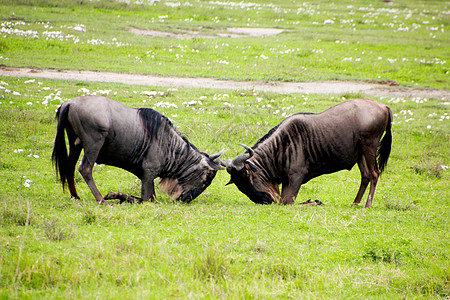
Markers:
222,245
403,41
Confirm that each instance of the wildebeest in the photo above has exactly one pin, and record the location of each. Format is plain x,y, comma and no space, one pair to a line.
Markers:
141,141
304,146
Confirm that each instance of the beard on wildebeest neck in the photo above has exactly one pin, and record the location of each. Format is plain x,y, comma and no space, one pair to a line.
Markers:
249,179
186,192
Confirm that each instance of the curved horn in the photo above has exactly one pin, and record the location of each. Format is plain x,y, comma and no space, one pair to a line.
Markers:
238,162
217,155
249,150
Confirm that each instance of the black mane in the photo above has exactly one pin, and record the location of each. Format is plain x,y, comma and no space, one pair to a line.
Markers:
154,122
157,126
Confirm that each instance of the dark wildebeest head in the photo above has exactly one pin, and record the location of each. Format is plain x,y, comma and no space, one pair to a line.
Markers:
251,179
198,173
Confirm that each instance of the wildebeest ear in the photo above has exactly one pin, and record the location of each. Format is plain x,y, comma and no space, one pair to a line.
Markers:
230,182
252,166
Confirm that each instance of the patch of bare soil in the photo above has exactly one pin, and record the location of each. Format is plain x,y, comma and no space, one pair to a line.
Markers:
191,34
374,89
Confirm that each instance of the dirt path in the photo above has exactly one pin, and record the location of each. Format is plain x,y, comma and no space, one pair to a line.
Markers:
321,87
230,33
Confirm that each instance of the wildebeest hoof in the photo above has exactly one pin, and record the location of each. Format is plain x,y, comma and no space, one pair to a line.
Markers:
110,195
308,202
123,197
311,202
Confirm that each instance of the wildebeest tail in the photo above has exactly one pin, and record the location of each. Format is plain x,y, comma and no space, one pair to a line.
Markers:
59,154
384,149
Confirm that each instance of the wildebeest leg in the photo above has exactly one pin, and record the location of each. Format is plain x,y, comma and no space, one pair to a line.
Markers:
90,156
74,154
369,153
364,180
123,197
147,192
148,187
86,171
373,184
290,190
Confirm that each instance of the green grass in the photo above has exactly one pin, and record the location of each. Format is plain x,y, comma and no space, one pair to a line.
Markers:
221,245
403,41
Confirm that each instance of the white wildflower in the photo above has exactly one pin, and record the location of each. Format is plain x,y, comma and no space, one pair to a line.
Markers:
27,183
84,91
80,27
104,92
166,105
150,94
190,103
